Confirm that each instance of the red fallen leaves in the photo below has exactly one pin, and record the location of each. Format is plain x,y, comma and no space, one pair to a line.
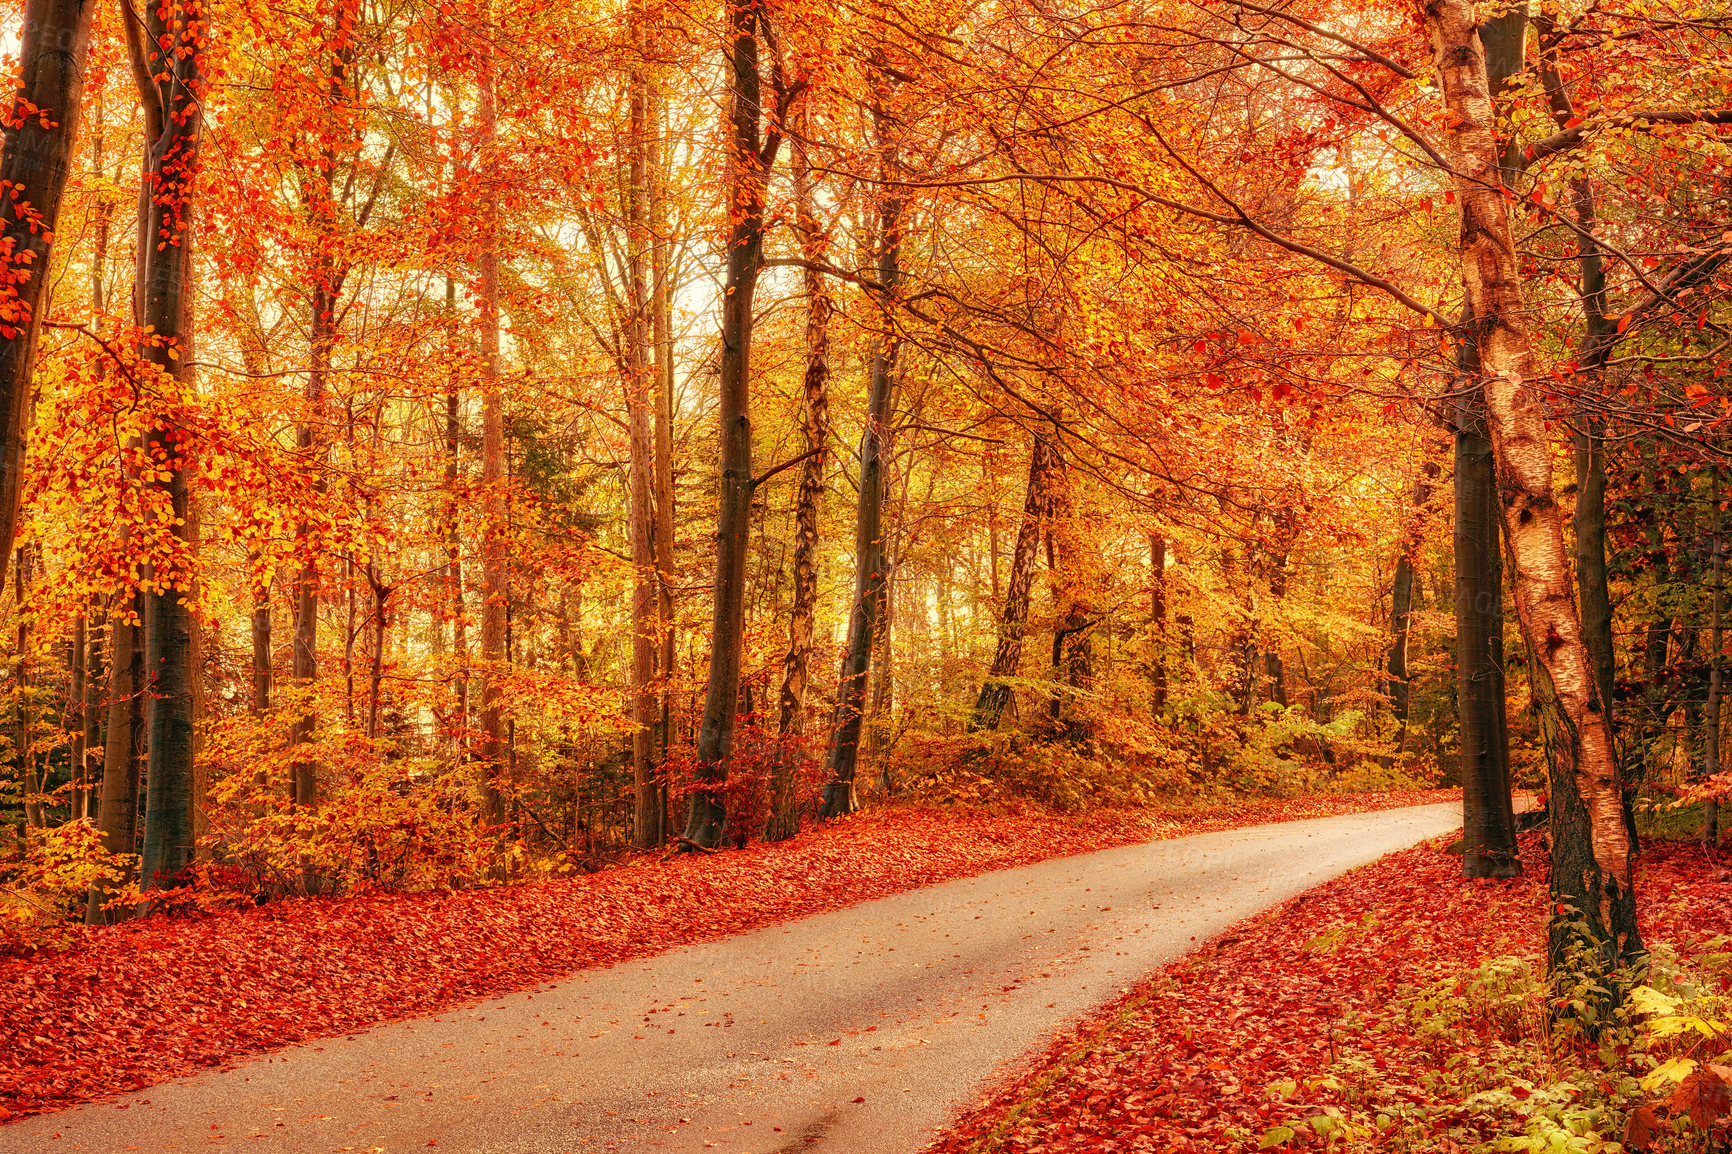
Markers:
1640,1130
133,1005
1703,1096
1195,1052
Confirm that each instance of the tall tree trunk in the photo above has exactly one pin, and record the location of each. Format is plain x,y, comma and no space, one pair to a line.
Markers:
1074,619
1589,518
883,702
995,691
117,809
34,164
640,389
1280,562
77,646
493,546
1591,873
87,649
869,561
171,91
261,636
1656,633
815,427
95,715
661,289
748,168
323,293
376,651
1401,608
453,528
1588,522
23,738
304,652
1157,625
1716,643
1488,819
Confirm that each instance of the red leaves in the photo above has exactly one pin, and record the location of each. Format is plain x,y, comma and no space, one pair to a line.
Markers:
1234,1037
1703,1097
1640,1130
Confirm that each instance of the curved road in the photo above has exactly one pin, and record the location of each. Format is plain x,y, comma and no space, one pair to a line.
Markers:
855,1032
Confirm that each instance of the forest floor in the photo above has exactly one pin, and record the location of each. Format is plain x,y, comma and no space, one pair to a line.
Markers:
1364,1009
125,1007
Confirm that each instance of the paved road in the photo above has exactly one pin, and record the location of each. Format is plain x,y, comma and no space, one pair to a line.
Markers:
854,1032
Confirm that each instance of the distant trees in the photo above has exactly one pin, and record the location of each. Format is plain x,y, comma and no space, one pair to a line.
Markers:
1136,354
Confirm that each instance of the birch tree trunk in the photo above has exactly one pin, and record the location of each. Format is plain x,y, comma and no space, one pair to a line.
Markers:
1591,869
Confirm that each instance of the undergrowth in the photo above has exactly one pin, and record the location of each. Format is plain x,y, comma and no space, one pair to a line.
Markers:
1401,1008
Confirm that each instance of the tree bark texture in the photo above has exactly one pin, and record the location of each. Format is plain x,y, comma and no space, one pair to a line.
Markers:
171,91
34,164
661,289
870,572
1044,465
1591,868
23,737
117,809
455,606
815,429
1157,625
749,162
1488,820
494,591
1716,643
641,389
1400,681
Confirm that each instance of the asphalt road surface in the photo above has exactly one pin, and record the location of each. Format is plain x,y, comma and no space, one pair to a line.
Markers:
854,1032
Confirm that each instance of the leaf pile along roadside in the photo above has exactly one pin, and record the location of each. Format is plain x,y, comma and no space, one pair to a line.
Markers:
1297,1024
132,1005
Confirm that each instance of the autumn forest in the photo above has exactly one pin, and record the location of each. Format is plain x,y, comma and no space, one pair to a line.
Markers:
455,446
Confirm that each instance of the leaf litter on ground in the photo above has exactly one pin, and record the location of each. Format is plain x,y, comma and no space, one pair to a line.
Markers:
1295,1025
128,1006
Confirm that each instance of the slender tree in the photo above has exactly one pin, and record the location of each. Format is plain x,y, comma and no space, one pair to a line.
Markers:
995,691
641,387
494,590
871,572
815,432
751,152
1716,645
